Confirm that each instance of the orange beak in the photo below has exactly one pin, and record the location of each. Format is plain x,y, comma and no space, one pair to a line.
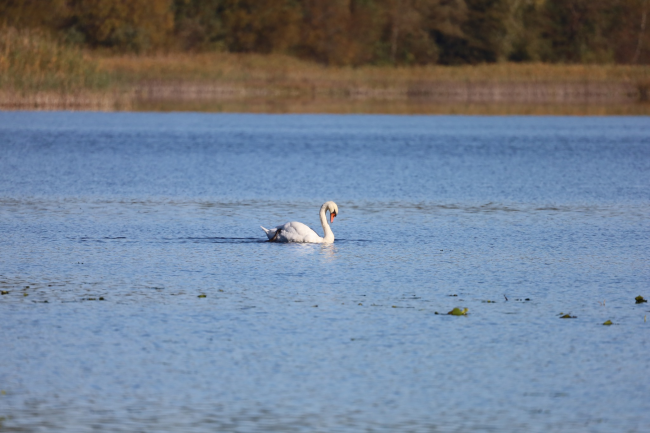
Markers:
332,215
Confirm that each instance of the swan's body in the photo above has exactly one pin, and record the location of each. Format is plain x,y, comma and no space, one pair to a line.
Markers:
299,232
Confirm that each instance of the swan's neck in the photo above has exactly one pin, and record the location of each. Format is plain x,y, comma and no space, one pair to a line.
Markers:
329,236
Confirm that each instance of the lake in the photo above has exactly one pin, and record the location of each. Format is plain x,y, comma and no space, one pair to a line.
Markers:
141,294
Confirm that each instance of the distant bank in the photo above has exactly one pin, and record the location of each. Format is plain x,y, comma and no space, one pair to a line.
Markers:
39,74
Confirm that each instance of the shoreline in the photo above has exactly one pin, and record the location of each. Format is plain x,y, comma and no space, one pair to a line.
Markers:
414,97
216,82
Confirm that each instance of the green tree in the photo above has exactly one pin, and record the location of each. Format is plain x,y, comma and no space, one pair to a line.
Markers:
482,35
134,25
261,26
49,14
198,24
577,30
407,29
325,31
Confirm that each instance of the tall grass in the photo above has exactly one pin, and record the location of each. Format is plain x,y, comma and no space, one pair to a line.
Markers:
272,68
37,72
31,61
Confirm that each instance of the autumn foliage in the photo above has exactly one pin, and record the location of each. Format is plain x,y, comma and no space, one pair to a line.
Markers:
353,32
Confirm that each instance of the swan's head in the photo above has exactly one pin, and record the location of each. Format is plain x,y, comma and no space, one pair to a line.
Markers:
333,208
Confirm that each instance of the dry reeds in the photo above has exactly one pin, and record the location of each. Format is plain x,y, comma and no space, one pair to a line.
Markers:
275,67
31,62
39,73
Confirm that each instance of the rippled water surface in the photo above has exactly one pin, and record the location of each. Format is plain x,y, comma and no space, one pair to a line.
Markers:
113,225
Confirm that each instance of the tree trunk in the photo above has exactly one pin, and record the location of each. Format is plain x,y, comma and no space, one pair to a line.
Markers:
637,52
394,34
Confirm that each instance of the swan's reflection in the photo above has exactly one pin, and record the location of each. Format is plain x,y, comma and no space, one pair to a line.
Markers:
329,252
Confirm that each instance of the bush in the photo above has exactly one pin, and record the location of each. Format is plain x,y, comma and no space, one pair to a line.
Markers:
31,61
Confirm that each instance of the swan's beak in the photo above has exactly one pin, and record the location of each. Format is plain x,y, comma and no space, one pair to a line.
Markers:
332,215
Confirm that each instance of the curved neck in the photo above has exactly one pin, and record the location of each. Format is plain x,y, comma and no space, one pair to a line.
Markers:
329,236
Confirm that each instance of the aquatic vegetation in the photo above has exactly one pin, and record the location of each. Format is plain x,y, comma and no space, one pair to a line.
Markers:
607,323
32,61
458,312
567,316
201,296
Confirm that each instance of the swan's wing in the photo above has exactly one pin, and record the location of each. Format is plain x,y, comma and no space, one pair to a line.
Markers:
297,232
270,233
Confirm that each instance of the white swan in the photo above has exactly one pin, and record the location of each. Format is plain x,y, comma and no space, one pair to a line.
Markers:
299,232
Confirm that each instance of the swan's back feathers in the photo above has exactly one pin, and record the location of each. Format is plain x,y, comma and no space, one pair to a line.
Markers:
293,232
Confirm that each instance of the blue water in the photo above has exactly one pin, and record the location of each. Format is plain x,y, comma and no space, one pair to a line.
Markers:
539,215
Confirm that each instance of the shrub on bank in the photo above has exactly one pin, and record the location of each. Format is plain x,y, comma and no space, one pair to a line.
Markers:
32,61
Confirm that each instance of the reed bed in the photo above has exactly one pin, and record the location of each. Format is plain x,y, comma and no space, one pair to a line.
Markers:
36,72
30,62
338,106
275,67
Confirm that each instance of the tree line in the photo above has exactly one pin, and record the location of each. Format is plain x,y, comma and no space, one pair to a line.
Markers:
354,32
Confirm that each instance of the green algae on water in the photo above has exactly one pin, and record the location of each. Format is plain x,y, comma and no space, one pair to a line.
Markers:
458,312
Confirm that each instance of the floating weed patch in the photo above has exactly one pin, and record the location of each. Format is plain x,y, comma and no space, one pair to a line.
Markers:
489,302
567,316
609,322
639,299
201,296
458,312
